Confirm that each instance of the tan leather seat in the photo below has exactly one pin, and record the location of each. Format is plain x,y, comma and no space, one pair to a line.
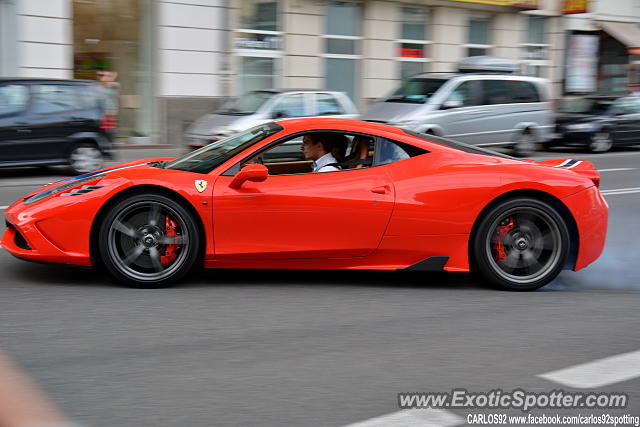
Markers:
360,150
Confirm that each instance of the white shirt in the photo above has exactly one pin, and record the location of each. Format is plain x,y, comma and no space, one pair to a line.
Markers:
323,164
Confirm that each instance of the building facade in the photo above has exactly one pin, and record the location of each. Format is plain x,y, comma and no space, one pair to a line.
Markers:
604,46
177,59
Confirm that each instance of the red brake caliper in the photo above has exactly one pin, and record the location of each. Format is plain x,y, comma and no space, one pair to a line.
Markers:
498,239
170,250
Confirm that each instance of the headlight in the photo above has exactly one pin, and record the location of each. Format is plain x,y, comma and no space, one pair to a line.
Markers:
581,126
71,185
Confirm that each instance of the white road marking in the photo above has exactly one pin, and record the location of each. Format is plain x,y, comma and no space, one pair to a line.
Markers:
617,191
413,418
616,169
598,373
3,207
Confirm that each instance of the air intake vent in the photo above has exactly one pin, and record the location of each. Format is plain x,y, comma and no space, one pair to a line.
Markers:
82,190
18,239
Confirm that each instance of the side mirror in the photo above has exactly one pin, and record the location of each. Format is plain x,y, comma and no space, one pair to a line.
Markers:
452,103
254,173
278,114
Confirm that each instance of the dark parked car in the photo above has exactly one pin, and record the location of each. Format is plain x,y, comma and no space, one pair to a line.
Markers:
598,123
53,122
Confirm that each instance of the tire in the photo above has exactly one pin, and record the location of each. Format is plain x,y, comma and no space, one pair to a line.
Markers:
525,144
85,158
548,146
600,142
520,245
148,241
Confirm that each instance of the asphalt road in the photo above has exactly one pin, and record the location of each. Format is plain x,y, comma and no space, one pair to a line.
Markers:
301,348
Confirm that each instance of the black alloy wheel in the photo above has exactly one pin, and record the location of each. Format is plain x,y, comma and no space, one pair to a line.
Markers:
521,244
149,241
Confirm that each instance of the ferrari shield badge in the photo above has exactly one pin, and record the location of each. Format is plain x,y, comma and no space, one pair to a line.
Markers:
200,185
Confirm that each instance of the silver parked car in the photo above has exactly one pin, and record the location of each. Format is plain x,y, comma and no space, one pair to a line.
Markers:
484,104
262,106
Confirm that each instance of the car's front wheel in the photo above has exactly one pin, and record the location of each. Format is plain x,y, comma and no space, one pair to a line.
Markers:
85,158
148,240
521,244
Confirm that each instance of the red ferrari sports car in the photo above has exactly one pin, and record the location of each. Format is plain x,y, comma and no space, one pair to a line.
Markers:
396,200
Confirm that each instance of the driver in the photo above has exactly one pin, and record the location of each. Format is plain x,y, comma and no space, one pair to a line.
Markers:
320,147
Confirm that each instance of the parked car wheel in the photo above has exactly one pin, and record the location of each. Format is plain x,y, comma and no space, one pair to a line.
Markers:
85,158
521,245
525,144
149,241
600,142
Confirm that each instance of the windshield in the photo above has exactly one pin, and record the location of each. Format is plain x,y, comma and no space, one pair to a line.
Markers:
213,155
586,106
416,91
247,104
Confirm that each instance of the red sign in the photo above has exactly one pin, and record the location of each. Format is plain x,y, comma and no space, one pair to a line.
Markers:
574,6
406,52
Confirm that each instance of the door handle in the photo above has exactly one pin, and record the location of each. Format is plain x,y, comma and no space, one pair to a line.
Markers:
383,189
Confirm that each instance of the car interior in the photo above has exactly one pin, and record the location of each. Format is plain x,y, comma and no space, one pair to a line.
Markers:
287,158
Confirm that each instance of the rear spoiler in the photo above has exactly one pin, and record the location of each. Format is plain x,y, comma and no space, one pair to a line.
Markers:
581,167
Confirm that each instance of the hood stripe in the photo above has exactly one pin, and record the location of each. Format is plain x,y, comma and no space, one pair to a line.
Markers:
569,163
87,175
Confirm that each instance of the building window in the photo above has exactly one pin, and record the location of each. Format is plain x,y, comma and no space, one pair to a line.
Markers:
258,44
256,73
535,47
259,15
342,47
413,47
112,43
478,39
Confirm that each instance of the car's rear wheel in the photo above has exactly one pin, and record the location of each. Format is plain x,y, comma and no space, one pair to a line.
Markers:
521,244
85,158
600,142
148,241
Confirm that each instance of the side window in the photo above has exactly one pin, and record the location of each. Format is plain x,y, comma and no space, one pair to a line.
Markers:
627,105
291,106
524,92
13,99
56,98
327,104
392,151
497,92
465,94
348,151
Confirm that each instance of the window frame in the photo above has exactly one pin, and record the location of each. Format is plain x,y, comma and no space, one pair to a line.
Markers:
306,103
27,105
477,92
529,66
32,98
276,54
233,170
426,43
315,103
487,46
357,57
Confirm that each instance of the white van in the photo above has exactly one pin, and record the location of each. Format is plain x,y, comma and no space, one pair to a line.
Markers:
484,104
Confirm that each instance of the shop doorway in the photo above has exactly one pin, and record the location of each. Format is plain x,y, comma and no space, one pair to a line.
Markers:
111,42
